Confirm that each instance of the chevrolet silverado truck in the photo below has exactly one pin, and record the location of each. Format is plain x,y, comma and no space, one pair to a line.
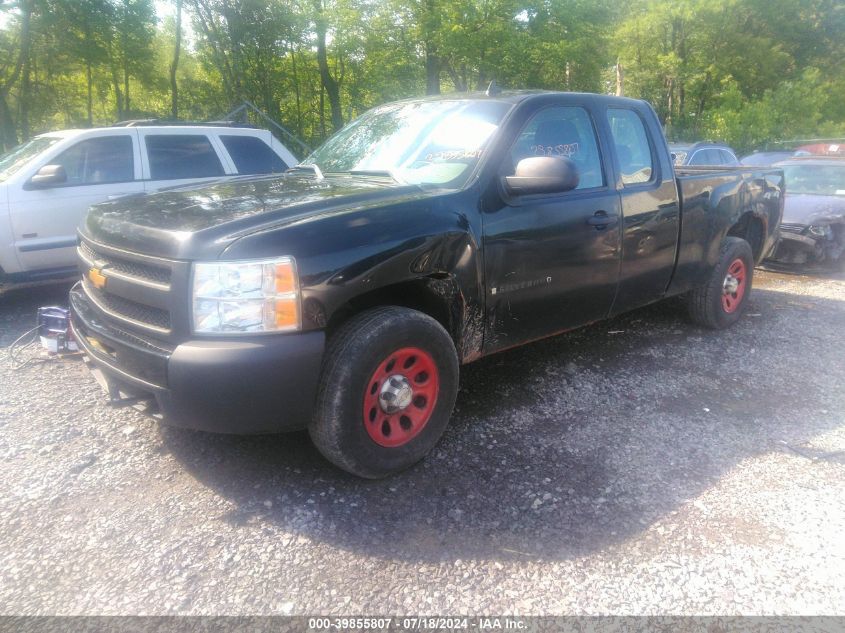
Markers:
343,296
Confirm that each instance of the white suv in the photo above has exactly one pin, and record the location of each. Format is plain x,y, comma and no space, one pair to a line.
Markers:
48,183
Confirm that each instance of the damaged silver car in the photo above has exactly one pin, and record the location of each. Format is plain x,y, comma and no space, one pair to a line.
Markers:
813,227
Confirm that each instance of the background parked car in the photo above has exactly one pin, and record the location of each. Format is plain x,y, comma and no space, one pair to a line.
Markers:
765,158
48,183
824,149
703,153
813,226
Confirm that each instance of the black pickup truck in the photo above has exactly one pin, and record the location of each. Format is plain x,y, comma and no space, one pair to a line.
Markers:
343,296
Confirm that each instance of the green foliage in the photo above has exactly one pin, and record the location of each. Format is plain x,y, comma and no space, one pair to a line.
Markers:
807,107
746,71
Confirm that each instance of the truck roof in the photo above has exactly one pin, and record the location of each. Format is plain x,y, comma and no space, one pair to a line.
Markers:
511,96
681,146
171,129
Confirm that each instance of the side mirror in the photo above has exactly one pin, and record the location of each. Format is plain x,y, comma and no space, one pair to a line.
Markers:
49,175
543,174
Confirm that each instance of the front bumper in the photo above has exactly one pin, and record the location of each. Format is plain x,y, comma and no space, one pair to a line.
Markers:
796,246
260,384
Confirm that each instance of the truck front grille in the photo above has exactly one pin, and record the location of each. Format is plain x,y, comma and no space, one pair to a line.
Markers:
127,310
134,291
108,263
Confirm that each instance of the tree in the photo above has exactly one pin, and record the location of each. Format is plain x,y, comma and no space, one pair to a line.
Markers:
134,32
174,65
17,62
744,70
331,83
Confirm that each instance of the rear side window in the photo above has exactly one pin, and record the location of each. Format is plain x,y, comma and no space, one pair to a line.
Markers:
713,157
632,146
98,161
706,157
251,155
174,156
728,158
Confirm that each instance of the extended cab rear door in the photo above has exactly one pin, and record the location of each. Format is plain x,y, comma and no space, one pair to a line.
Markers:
181,156
551,260
650,211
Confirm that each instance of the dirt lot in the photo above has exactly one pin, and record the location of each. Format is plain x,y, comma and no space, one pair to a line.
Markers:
639,466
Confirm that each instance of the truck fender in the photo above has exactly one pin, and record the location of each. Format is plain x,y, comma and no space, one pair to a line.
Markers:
440,276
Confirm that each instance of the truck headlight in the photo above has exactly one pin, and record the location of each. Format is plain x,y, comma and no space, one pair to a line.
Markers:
246,296
818,230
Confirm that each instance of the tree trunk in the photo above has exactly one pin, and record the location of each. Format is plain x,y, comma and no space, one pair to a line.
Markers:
432,70
322,111
23,117
620,80
124,46
330,84
118,95
177,48
88,78
9,134
430,21
457,80
204,14
90,98
126,105
296,92
670,103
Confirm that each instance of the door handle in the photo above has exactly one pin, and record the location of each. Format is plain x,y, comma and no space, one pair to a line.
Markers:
601,220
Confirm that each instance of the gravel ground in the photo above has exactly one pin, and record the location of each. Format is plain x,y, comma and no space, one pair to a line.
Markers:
638,466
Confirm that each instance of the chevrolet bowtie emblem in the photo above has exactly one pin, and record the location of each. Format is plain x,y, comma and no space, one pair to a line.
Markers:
97,278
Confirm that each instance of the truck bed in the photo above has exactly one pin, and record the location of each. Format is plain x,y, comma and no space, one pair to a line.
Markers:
713,198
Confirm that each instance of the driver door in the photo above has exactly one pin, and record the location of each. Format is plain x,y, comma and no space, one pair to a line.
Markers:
45,218
552,260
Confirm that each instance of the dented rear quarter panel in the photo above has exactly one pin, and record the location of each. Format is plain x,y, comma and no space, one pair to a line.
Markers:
712,201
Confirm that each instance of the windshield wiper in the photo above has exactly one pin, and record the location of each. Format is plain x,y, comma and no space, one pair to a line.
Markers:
389,173
312,167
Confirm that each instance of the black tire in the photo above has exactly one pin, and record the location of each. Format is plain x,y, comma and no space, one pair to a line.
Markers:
706,305
357,354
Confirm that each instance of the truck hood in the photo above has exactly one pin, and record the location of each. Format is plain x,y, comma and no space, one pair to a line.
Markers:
807,209
199,221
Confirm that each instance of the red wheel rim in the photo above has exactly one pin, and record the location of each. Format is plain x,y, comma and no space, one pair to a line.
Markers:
733,288
400,397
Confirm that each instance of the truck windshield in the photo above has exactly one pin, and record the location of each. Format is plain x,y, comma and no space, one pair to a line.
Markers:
422,142
820,180
14,159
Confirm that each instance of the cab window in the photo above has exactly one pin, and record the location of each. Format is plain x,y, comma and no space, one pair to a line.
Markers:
564,131
706,157
97,161
175,156
728,158
251,155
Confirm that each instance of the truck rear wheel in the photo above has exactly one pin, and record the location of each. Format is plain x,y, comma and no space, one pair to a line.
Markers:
719,302
387,390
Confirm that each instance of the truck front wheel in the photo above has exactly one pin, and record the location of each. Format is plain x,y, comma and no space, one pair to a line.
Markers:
719,302
387,390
